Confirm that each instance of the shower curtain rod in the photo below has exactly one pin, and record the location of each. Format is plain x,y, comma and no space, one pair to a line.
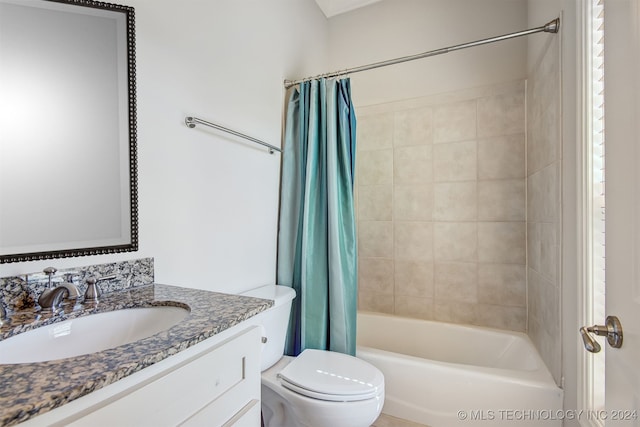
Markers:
550,27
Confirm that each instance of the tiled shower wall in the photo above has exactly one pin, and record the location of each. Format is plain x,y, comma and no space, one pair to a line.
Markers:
544,208
440,193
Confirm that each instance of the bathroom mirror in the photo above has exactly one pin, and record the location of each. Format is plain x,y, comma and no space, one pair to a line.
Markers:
68,179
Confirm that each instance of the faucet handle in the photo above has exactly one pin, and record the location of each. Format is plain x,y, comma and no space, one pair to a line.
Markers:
50,271
93,291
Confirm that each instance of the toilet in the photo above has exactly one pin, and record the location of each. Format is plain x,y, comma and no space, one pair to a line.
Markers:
318,388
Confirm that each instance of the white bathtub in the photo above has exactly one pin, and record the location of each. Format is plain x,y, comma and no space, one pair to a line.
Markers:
441,374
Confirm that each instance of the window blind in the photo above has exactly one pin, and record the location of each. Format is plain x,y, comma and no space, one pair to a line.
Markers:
597,185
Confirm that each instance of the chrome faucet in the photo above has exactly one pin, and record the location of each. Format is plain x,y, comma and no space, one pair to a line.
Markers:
74,293
51,297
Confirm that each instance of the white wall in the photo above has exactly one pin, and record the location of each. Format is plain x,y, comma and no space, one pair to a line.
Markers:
208,203
396,28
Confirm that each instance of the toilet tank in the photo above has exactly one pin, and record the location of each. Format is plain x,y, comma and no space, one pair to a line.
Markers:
274,321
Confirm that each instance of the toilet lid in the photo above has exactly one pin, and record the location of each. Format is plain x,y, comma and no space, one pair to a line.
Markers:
328,375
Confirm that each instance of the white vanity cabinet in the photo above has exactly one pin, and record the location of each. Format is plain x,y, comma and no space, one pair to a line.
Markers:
213,383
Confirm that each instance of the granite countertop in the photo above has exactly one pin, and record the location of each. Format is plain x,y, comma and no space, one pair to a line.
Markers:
29,389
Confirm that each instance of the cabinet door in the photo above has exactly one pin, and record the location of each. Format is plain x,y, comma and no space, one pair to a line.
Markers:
248,416
222,381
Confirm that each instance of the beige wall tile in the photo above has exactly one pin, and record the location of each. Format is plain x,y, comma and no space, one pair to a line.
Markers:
413,165
548,346
416,307
376,275
551,127
544,147
543,305
535,294
455,161
375,167
544,302
543,140
543,249
413,241
455,312
502,317
502,284
543,189
375,132
413,202
373,301
501,200
375,239
549,251
501,115
456,281
455,241
501,157
454,122
544,322
534,331
442,203
533,245
455,201
375,203
551,347
502,242
413,127
414,278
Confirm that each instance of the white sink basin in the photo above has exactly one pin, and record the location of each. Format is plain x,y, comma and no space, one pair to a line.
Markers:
88,334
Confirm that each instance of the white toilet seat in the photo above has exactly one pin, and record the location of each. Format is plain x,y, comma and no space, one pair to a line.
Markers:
319,389
331,376
329,397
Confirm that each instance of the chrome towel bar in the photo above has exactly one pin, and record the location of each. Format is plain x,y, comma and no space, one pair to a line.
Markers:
192,121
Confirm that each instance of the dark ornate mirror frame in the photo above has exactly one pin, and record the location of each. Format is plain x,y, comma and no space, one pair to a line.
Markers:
133,159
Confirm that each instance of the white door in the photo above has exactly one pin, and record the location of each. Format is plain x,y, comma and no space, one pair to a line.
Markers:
622,171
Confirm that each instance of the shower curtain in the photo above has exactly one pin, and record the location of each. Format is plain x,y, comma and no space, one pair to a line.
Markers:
317,253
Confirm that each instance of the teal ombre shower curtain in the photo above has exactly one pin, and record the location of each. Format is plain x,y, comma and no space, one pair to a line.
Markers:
317,253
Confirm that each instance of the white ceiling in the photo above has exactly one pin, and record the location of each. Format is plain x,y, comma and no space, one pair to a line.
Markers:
336,7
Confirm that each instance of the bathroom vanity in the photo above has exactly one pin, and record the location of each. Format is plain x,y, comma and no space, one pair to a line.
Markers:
204,370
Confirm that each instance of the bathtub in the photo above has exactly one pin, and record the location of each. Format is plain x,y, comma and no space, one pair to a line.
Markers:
442,374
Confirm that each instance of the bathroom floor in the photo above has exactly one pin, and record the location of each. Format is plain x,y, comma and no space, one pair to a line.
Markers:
385,420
